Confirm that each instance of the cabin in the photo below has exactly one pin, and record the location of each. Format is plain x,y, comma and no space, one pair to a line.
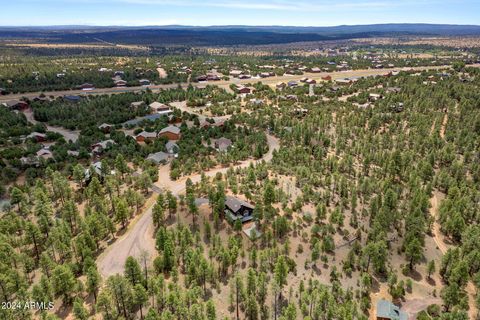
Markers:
158,157
145,136
170,132
388,311
105,127
236,209
99,147
120,83
71,98
37,136
222,144
172,147
16,105
137,104
44,154
86,86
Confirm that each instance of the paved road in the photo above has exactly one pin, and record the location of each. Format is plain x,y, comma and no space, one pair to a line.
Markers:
140,235
223,83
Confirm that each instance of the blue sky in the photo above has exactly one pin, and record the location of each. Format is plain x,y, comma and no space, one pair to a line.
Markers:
245,12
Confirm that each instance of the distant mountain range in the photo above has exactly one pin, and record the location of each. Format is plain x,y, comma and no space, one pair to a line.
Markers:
226,35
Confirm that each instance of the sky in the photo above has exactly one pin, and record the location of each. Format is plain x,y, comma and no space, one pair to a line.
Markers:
241,12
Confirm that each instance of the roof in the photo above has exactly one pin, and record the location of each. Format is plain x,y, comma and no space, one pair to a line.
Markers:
170,146
158,157
157,105
105,125
104,144
137,103
386,309
146,134
234,204
223,143
172,129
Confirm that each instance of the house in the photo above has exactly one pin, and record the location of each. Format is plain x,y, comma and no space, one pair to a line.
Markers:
310,81
71,98
16,104
97,169
280,85
343,82
37,136
327,78
137,104
158,157
86,86
171,132
244,76
236,73
388,311
292,83
29,161
105,127
3,91
120,83
144,82
158,106
212,77
119,74
145,136
207,124
99,147
374,96
242,89
172,147
315,70
44,154
394,89
236,209
266,74
202,78
222,144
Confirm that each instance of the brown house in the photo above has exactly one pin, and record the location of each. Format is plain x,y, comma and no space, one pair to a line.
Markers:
145,136
170,132
16,104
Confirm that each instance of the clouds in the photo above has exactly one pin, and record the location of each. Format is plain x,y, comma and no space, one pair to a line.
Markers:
230,12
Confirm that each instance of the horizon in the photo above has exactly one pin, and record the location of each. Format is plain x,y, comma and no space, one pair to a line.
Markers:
141,13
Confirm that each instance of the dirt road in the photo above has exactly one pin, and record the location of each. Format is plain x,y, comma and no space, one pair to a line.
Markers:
67,134
140,234
224,83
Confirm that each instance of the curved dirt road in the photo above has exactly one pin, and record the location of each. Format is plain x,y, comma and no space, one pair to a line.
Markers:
139,236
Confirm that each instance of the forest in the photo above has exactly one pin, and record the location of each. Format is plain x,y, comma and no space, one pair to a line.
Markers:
354,197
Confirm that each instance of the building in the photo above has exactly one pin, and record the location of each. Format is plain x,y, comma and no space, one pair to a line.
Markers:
374,96
327,78
37,136
170,132
145,136
99,147
172,147
86,86
242,89
160,107
44,154
144,82
137,104
236,209
388,311
71,98
120,83
158,157
222,144
315,70
105,127
16,104
292,83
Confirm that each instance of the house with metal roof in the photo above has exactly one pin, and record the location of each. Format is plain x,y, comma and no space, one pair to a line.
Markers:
386,310
236,209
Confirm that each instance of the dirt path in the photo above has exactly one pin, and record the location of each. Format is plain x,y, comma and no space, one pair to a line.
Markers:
67,134
140,235
439,237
